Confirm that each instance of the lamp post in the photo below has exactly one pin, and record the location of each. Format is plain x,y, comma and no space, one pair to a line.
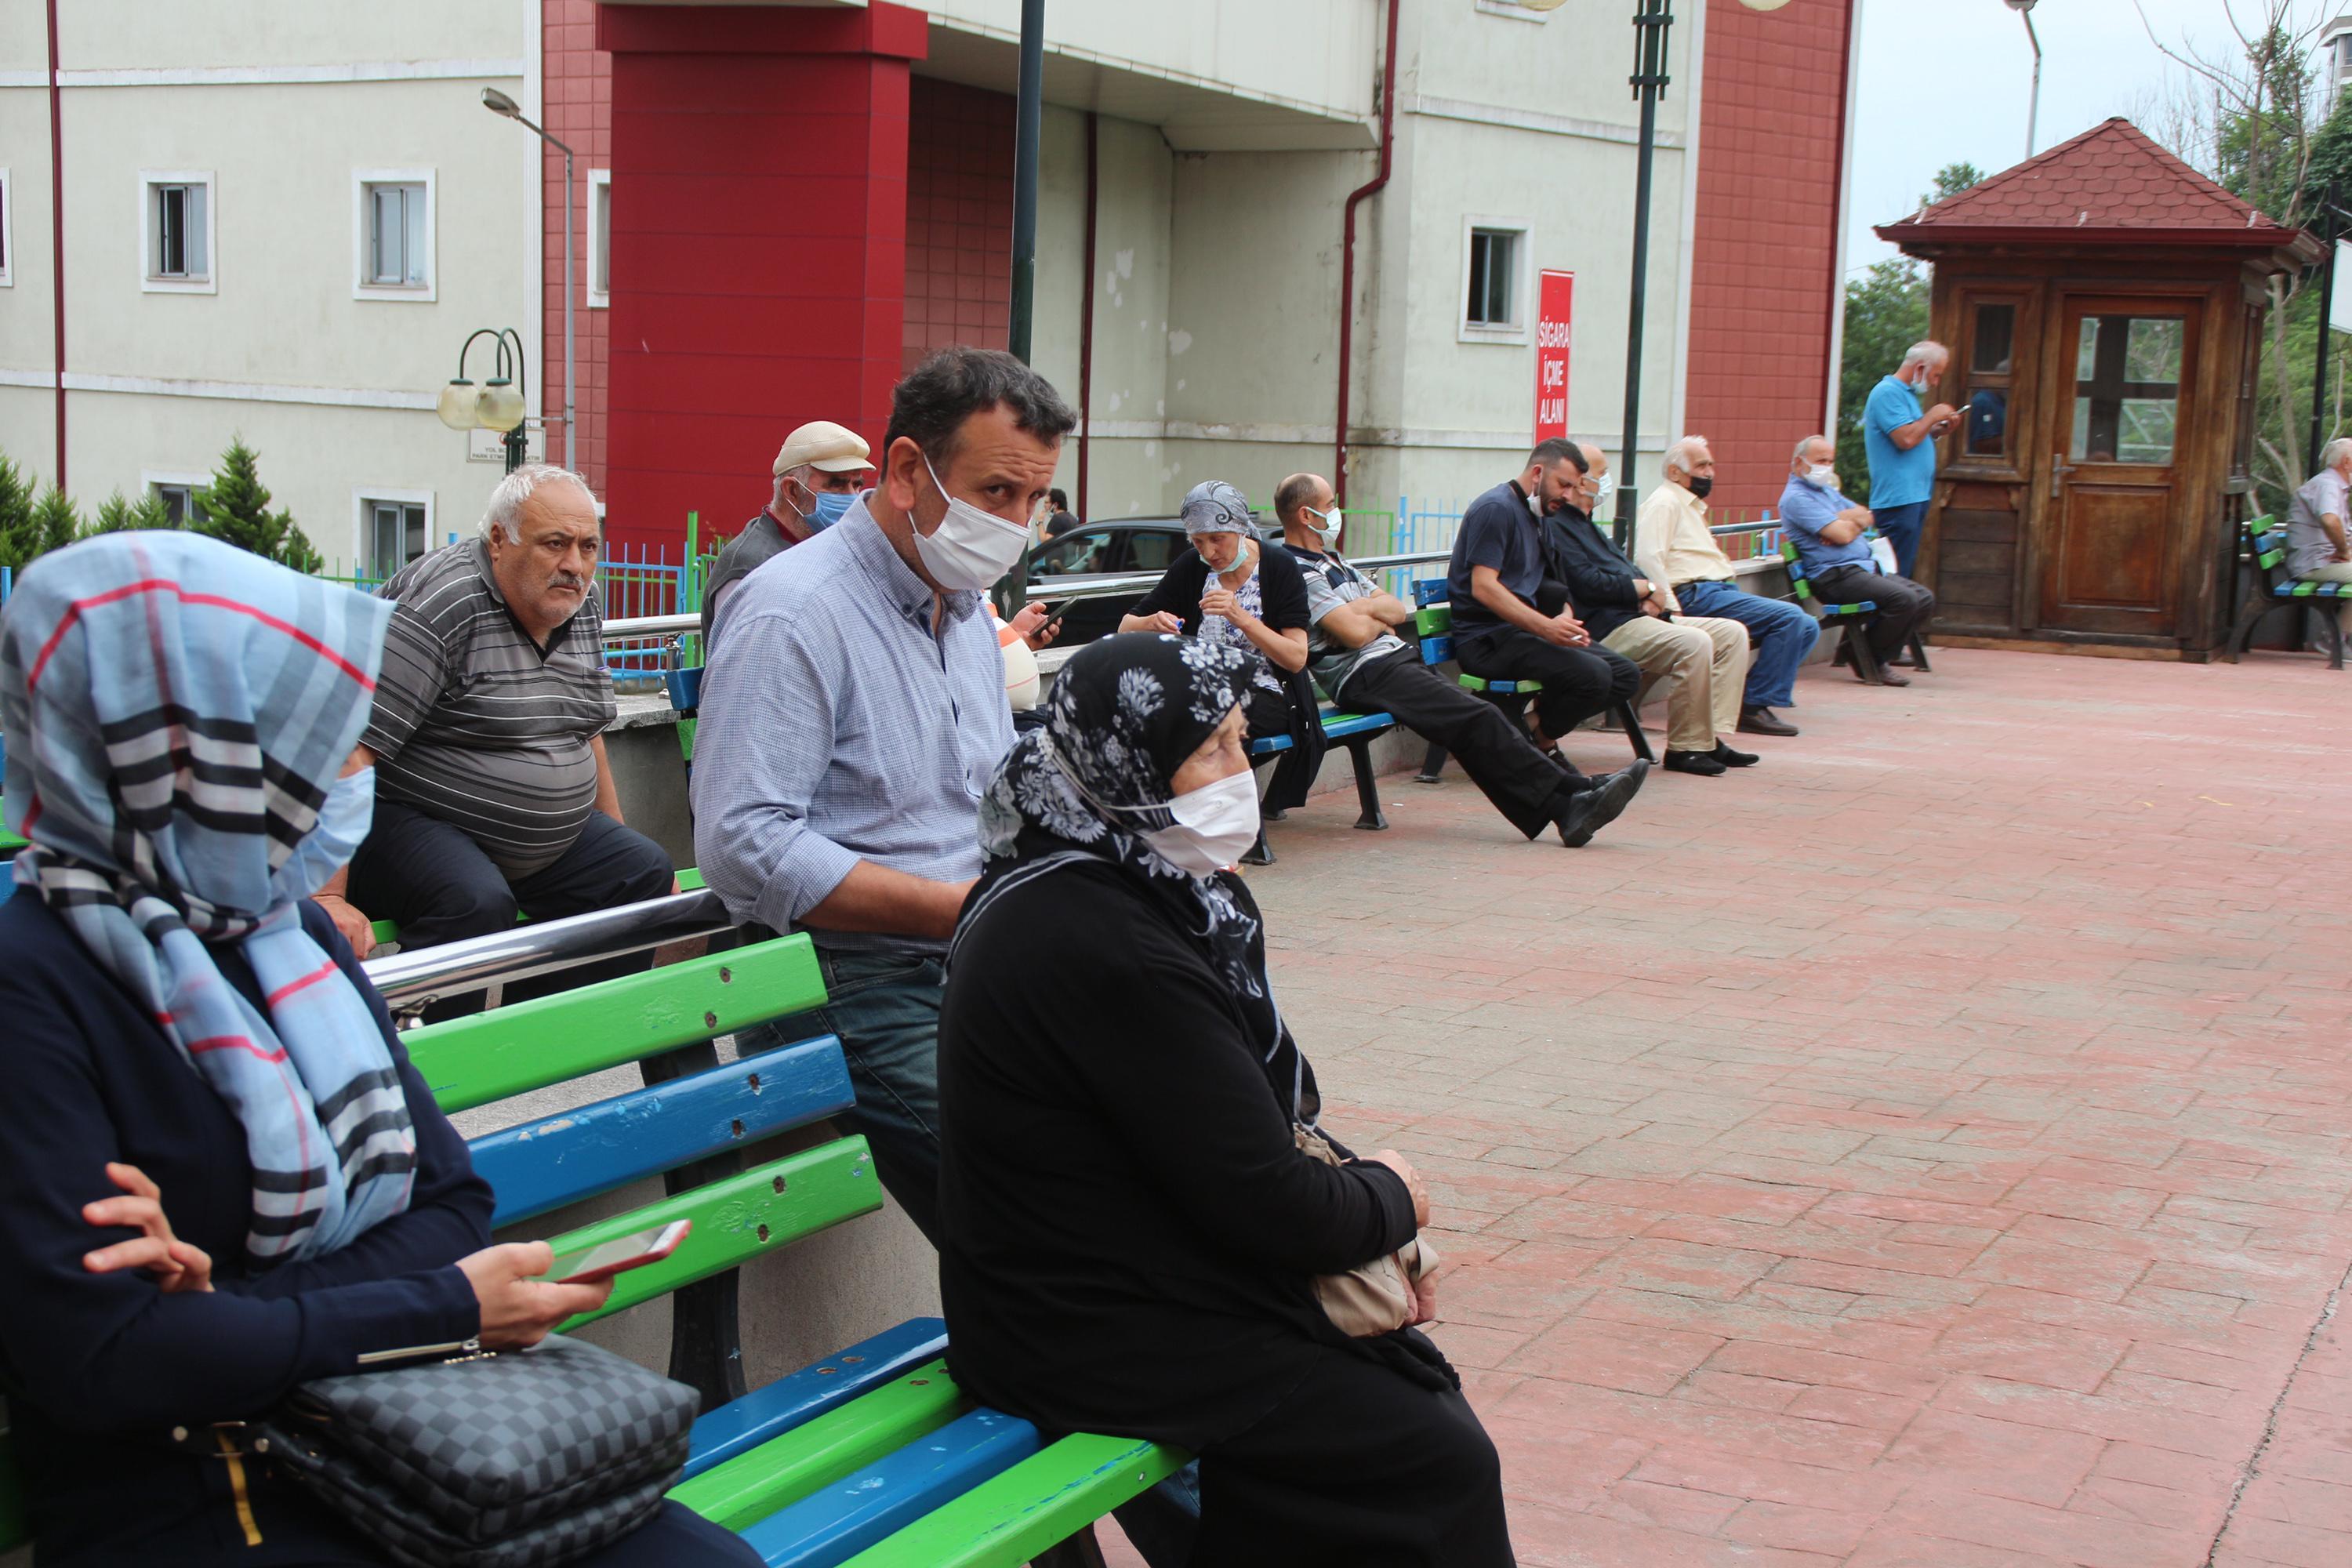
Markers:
498,102
2025,9
499,402
1028,110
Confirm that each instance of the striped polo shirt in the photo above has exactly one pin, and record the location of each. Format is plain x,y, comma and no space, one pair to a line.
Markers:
480,726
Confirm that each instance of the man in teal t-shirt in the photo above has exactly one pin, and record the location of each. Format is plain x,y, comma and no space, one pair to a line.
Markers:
1898,435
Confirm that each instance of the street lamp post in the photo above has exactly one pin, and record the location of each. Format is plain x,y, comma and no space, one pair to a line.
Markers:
498,102
499,402
2025,9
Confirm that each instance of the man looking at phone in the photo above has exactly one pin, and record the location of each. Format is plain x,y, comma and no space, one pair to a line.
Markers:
1356,656
1898,435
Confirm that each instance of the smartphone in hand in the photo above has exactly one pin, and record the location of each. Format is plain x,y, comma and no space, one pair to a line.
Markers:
618,1256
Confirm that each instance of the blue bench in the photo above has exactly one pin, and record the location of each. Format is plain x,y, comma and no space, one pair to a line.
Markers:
2272,587
1854,647
1433,621
1354,731
872,1456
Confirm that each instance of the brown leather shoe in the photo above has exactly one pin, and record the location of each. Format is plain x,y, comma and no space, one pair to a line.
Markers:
1764,721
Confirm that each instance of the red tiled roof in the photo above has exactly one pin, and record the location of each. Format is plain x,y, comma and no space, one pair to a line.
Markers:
2111,179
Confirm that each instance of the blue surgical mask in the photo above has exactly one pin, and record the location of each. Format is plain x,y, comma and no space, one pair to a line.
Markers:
832,506
344,818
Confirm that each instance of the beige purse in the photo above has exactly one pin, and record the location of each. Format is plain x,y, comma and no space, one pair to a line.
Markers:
1374,1298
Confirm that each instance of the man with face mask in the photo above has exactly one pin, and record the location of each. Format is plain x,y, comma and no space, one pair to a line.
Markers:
1513,623
818,472
1363,664
1899,427
1828,529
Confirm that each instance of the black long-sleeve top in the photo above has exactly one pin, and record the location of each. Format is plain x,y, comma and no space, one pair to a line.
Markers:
1129,1233
99,1367
1599,579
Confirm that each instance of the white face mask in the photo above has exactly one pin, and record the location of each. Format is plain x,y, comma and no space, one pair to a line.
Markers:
971,549
1215,825
1821,476
1326,525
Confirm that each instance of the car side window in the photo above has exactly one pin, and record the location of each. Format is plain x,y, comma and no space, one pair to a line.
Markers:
1150,549
1074,554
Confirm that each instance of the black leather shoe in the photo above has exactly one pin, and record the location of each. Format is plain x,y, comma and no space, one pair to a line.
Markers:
1764,721
1700,763
1731,758
1597,807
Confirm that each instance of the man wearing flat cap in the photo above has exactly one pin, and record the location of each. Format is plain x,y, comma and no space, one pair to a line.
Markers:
819,470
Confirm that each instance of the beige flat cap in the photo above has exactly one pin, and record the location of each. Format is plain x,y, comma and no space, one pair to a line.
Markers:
822,444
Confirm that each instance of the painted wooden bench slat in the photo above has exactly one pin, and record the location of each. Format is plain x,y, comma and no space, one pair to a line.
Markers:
471,1061
797,1398
537,1166
737,1218
1008,1521
875,1501
2271,586
779,1473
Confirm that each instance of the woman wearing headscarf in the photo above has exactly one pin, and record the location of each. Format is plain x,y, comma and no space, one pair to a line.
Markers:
1132,1234
219,1175
1235,592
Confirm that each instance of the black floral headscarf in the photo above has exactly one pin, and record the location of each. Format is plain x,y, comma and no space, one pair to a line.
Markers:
1125,714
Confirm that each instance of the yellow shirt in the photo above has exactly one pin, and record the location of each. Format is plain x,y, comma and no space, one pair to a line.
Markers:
1670,541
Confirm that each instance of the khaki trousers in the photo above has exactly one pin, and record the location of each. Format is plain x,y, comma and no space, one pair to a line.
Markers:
1701,664
2334,572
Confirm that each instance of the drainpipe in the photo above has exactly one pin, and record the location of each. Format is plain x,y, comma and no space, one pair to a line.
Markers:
57,235
1385,82
1086,326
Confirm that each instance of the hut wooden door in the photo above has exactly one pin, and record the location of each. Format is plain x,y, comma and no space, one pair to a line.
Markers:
2115,518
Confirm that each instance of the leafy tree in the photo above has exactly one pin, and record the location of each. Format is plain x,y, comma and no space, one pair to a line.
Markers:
1885,313
56,522
235,508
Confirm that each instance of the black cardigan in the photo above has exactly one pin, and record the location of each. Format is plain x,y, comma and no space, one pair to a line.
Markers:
1587,562
1283,594
1128,1233
98,1366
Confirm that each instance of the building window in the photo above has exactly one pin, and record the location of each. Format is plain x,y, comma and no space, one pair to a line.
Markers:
7,230
391,233
395,527
1493,281
600,238
179,501
1992,345
178,222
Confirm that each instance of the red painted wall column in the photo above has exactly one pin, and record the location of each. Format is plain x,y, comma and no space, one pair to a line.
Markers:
757,246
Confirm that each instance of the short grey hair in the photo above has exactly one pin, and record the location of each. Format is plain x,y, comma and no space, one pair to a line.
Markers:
1799,455
1683,453
1923,352
505,513
2335,451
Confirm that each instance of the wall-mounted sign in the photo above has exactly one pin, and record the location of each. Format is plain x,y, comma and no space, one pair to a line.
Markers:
1555,310
2339,303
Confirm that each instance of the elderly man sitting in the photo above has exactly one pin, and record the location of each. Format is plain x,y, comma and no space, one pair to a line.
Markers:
1671,544
2317,550
493,792
818,470
1700,662
1828,529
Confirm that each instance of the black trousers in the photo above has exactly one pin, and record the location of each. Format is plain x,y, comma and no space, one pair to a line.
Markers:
432,878
1494,747
1358,1467
1903,605
1578,682
1268,712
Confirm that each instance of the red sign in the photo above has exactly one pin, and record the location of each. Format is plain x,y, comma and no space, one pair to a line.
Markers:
1555,309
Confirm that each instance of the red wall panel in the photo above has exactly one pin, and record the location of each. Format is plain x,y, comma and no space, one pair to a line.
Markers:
577,85
959,220
1765,267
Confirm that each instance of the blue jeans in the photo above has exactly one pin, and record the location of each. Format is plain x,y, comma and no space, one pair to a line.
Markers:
1902,525
1784,635
885,1009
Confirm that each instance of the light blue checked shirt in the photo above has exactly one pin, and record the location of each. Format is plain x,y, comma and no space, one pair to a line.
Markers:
835,728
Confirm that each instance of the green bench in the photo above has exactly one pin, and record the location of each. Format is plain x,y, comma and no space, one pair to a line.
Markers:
873,1457
2272,587
1433,624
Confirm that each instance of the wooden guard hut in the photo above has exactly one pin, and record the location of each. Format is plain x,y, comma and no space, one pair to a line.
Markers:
2104,305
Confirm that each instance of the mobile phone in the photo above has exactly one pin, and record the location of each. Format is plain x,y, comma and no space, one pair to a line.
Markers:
619,1255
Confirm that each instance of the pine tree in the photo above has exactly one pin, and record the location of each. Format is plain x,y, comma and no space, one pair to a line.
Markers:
113,517
15,517
235,508
56,523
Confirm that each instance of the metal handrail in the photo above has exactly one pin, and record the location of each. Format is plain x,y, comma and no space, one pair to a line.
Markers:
635,628
410,980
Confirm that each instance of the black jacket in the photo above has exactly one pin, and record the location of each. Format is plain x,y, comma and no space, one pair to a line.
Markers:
1579,554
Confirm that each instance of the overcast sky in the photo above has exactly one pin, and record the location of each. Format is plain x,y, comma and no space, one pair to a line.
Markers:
1944,81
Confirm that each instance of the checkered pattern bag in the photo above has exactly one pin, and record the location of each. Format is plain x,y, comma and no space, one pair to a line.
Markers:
490,1461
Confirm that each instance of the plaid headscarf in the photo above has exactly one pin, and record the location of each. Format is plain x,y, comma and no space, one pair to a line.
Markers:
177,711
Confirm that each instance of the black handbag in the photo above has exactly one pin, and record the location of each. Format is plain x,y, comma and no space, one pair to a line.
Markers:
487,1460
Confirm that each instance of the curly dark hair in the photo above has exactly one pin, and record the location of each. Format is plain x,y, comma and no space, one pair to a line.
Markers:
929,406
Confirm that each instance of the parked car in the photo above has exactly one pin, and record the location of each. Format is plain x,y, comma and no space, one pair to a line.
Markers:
1093,551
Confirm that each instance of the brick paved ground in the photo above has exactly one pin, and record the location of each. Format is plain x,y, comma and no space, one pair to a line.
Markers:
1928,1147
